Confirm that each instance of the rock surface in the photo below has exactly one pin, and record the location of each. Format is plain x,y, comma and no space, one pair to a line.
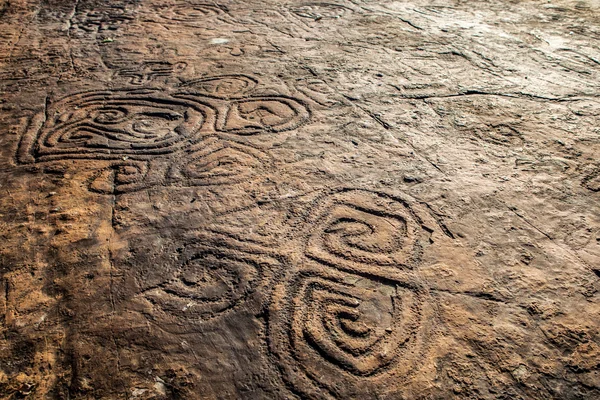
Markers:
319,200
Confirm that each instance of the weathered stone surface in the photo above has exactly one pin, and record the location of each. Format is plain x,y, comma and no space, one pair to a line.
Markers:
273,200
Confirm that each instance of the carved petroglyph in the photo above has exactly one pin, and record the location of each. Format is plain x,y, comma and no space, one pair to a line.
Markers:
204,286
190,12
218,163
353,311
337,336
319,11
366,232
109,124
193,127
150,71
206,281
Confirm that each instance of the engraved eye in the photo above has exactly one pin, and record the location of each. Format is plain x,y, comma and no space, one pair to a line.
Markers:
111,115
156,124
205,287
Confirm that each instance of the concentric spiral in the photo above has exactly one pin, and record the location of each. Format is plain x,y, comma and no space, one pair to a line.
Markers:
108,125
336,337
365,232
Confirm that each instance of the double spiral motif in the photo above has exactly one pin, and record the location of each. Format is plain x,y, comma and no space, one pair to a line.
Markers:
195,129
353,313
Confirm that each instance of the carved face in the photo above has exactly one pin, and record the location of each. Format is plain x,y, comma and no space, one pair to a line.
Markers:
193,131
135,123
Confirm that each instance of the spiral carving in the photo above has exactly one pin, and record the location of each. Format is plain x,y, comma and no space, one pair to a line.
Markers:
336,337
365,232
175,130
108,125
207,282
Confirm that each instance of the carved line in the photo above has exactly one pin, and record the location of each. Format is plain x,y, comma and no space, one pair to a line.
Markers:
316,337
46,134
210,282
349,231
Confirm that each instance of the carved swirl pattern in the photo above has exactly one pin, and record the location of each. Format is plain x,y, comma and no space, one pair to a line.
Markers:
338,336
353,312
109,124
196,128
190,12
205,282
365,232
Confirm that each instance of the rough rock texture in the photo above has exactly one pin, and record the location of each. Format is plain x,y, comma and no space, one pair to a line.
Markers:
319,200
